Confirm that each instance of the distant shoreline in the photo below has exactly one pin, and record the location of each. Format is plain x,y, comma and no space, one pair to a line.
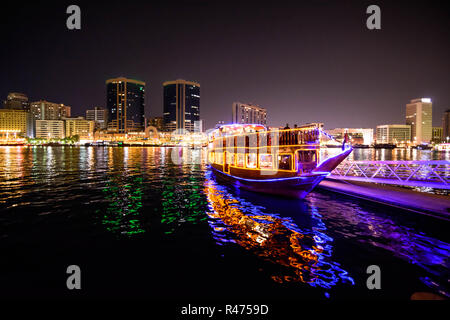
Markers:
83,145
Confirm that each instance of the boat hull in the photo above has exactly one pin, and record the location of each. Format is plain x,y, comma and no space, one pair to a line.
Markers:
292,187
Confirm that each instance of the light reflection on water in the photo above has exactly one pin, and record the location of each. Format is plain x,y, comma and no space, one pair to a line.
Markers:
304,254
244,222
350,221
134,192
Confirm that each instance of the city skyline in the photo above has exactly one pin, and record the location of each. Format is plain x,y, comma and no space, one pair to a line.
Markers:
317,71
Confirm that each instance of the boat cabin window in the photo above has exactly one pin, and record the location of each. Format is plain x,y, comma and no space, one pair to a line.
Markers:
211,157
307,156
230,142
230,158
240,160
219,157
265,161
251,160
240,143
284,162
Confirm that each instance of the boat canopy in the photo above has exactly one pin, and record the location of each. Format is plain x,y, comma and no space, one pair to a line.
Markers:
236,129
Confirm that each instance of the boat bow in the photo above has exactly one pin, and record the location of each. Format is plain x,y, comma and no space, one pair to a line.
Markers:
331,163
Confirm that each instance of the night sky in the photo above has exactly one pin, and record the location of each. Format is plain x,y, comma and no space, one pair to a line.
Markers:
303,61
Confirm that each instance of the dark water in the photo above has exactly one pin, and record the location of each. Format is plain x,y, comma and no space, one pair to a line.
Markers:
139,225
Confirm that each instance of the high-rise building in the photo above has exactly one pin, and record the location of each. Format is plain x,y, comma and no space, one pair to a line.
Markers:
99,115
16,122
50,129
157,122
17,101
181,105
79,127
419,117
248,113
437,135
446,126
125,101
44,110
394,133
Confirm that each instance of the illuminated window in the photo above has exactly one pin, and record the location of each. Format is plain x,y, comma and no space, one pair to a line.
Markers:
284,162
307,156
240,160
219,157
211,157
265,161
251,160
230,158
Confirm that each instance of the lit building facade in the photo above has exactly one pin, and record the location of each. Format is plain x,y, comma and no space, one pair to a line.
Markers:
446,126
79,127
16,123
437,135
44,110
50,129
419,117
248,114
199,126
356,135
99,115
17,101
393,133
125,101
181,105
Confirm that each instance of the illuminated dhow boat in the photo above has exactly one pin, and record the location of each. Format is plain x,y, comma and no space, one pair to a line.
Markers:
282,162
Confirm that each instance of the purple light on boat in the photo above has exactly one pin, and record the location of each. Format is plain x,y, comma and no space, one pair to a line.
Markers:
274,180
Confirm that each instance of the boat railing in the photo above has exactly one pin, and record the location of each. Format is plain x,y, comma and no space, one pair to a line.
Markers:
422,173
273,138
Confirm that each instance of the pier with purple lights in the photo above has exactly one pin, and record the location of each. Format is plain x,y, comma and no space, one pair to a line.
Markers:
420,186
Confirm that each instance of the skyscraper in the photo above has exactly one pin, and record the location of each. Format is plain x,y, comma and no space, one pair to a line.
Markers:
248,113
17,101
125,101
419,117
446,126
181,105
